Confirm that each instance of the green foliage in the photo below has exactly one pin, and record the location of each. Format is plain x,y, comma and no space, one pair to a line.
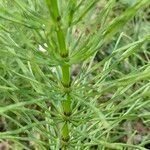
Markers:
43,104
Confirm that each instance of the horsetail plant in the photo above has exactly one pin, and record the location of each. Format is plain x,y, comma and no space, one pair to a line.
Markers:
58,88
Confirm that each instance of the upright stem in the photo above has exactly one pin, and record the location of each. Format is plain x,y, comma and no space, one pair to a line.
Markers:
66,75
64,53
66,104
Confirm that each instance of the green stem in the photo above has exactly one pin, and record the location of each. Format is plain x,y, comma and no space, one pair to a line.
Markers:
66,104
66,76
64,53
61,41
65,132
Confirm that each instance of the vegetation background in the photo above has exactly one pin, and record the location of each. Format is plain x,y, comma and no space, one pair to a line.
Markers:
74,74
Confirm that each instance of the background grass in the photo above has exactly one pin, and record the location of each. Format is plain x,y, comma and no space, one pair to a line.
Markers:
109,55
